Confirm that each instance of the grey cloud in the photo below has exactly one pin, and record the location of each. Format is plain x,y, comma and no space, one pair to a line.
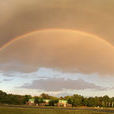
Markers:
58,84
10,68
7,80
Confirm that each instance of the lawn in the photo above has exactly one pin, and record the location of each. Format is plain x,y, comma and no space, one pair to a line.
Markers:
11,110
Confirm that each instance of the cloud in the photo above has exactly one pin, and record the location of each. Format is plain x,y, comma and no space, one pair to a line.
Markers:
59,84
59,49
11,67
23,16
7,80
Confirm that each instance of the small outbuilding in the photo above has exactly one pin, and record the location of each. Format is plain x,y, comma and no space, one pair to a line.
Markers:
62,103
31,101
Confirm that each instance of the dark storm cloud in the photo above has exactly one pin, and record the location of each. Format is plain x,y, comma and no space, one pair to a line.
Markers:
23,16
58,84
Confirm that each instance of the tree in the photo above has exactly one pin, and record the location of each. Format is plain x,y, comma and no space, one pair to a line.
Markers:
45,96
85,101
75,100
106,100
91,102
38,100
53,101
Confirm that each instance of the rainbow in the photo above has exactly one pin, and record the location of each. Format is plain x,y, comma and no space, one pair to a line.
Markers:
65,30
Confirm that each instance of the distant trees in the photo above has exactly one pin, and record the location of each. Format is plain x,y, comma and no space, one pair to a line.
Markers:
13,99
75,100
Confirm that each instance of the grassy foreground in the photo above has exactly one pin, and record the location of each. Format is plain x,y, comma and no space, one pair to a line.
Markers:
11,110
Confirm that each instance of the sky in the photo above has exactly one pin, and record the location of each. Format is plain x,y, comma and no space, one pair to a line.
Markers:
60,47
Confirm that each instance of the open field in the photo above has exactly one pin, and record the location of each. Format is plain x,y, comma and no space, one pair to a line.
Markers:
36,110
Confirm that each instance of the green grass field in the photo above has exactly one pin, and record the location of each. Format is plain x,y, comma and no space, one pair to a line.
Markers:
11,110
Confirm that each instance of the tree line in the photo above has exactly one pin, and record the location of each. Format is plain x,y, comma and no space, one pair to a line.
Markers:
75,100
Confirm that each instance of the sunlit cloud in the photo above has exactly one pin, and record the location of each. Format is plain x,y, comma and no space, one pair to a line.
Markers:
60,49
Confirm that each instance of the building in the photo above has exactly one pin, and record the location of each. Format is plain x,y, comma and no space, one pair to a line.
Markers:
46,101
31,101
62,103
